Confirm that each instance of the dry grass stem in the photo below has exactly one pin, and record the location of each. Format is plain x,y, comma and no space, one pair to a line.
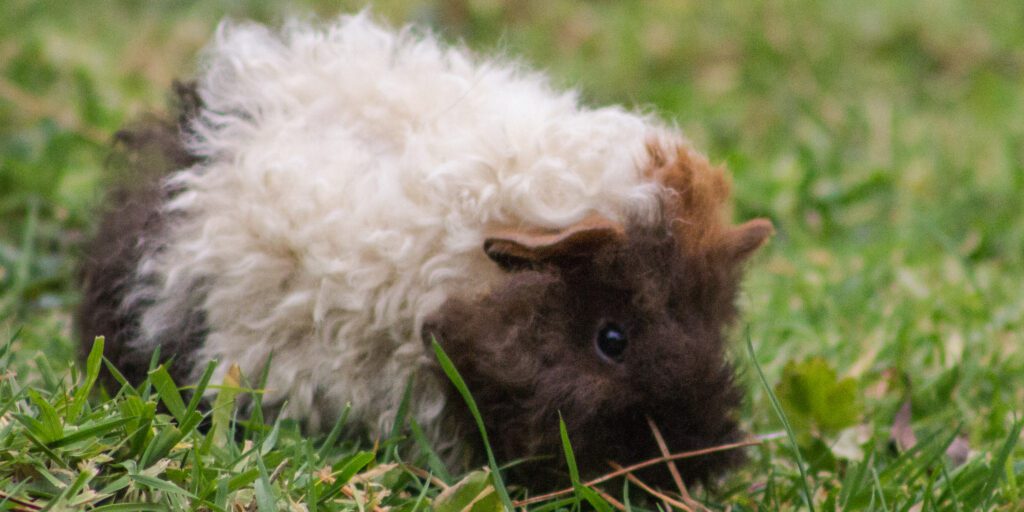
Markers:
672,465
11,499
641,465
361,499
426,476
661,496
607,497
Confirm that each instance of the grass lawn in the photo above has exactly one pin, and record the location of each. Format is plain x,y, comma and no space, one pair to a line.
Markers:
884,139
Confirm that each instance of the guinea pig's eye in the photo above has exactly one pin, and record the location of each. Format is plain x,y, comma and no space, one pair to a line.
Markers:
611,341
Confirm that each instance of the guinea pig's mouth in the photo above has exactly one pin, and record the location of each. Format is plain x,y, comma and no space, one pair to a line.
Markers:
639,438
696,466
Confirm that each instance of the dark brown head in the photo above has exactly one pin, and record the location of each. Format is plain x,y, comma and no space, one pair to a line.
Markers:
607,325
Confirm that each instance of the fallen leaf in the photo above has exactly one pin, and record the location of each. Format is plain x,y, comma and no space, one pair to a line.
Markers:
959,450
474,493
812,394
901,432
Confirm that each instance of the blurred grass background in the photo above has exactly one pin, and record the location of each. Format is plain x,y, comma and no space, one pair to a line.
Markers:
885,139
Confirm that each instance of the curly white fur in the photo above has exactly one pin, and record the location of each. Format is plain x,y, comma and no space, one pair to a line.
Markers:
350,173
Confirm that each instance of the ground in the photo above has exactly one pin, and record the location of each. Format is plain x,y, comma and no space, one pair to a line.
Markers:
884,139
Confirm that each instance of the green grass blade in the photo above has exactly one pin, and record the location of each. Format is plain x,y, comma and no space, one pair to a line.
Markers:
460,385
92,371
807,497
401,419
50,381
23,265
132,507
266,496
168,392
1000,460
224,407
592,497
126,387
256,418
200,389
332,436
49,425
878,490
49,453
242,479
161,485
344,471
97,430
853,484
570,458
270,441
160,446
435,463
154,363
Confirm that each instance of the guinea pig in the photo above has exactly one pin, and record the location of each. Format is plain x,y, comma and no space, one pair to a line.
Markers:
335,197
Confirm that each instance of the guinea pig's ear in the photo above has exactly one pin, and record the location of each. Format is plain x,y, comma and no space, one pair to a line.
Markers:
516,249
743,240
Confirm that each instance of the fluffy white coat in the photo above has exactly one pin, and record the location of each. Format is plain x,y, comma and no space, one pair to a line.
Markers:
351,173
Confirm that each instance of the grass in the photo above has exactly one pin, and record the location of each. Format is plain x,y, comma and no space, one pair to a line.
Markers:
885,139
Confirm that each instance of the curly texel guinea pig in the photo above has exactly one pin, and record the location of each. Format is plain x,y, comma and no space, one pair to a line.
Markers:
334,197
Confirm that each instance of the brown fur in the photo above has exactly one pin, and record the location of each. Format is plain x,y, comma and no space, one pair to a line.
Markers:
527,349
699,205
132,225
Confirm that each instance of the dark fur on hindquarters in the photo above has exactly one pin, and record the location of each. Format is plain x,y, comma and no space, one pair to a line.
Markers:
132,225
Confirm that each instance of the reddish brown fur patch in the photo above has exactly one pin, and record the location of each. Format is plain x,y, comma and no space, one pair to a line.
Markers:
697,211
699,208
700,191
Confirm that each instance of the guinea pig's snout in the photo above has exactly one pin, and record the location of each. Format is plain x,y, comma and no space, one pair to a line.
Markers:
446,323
644,440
